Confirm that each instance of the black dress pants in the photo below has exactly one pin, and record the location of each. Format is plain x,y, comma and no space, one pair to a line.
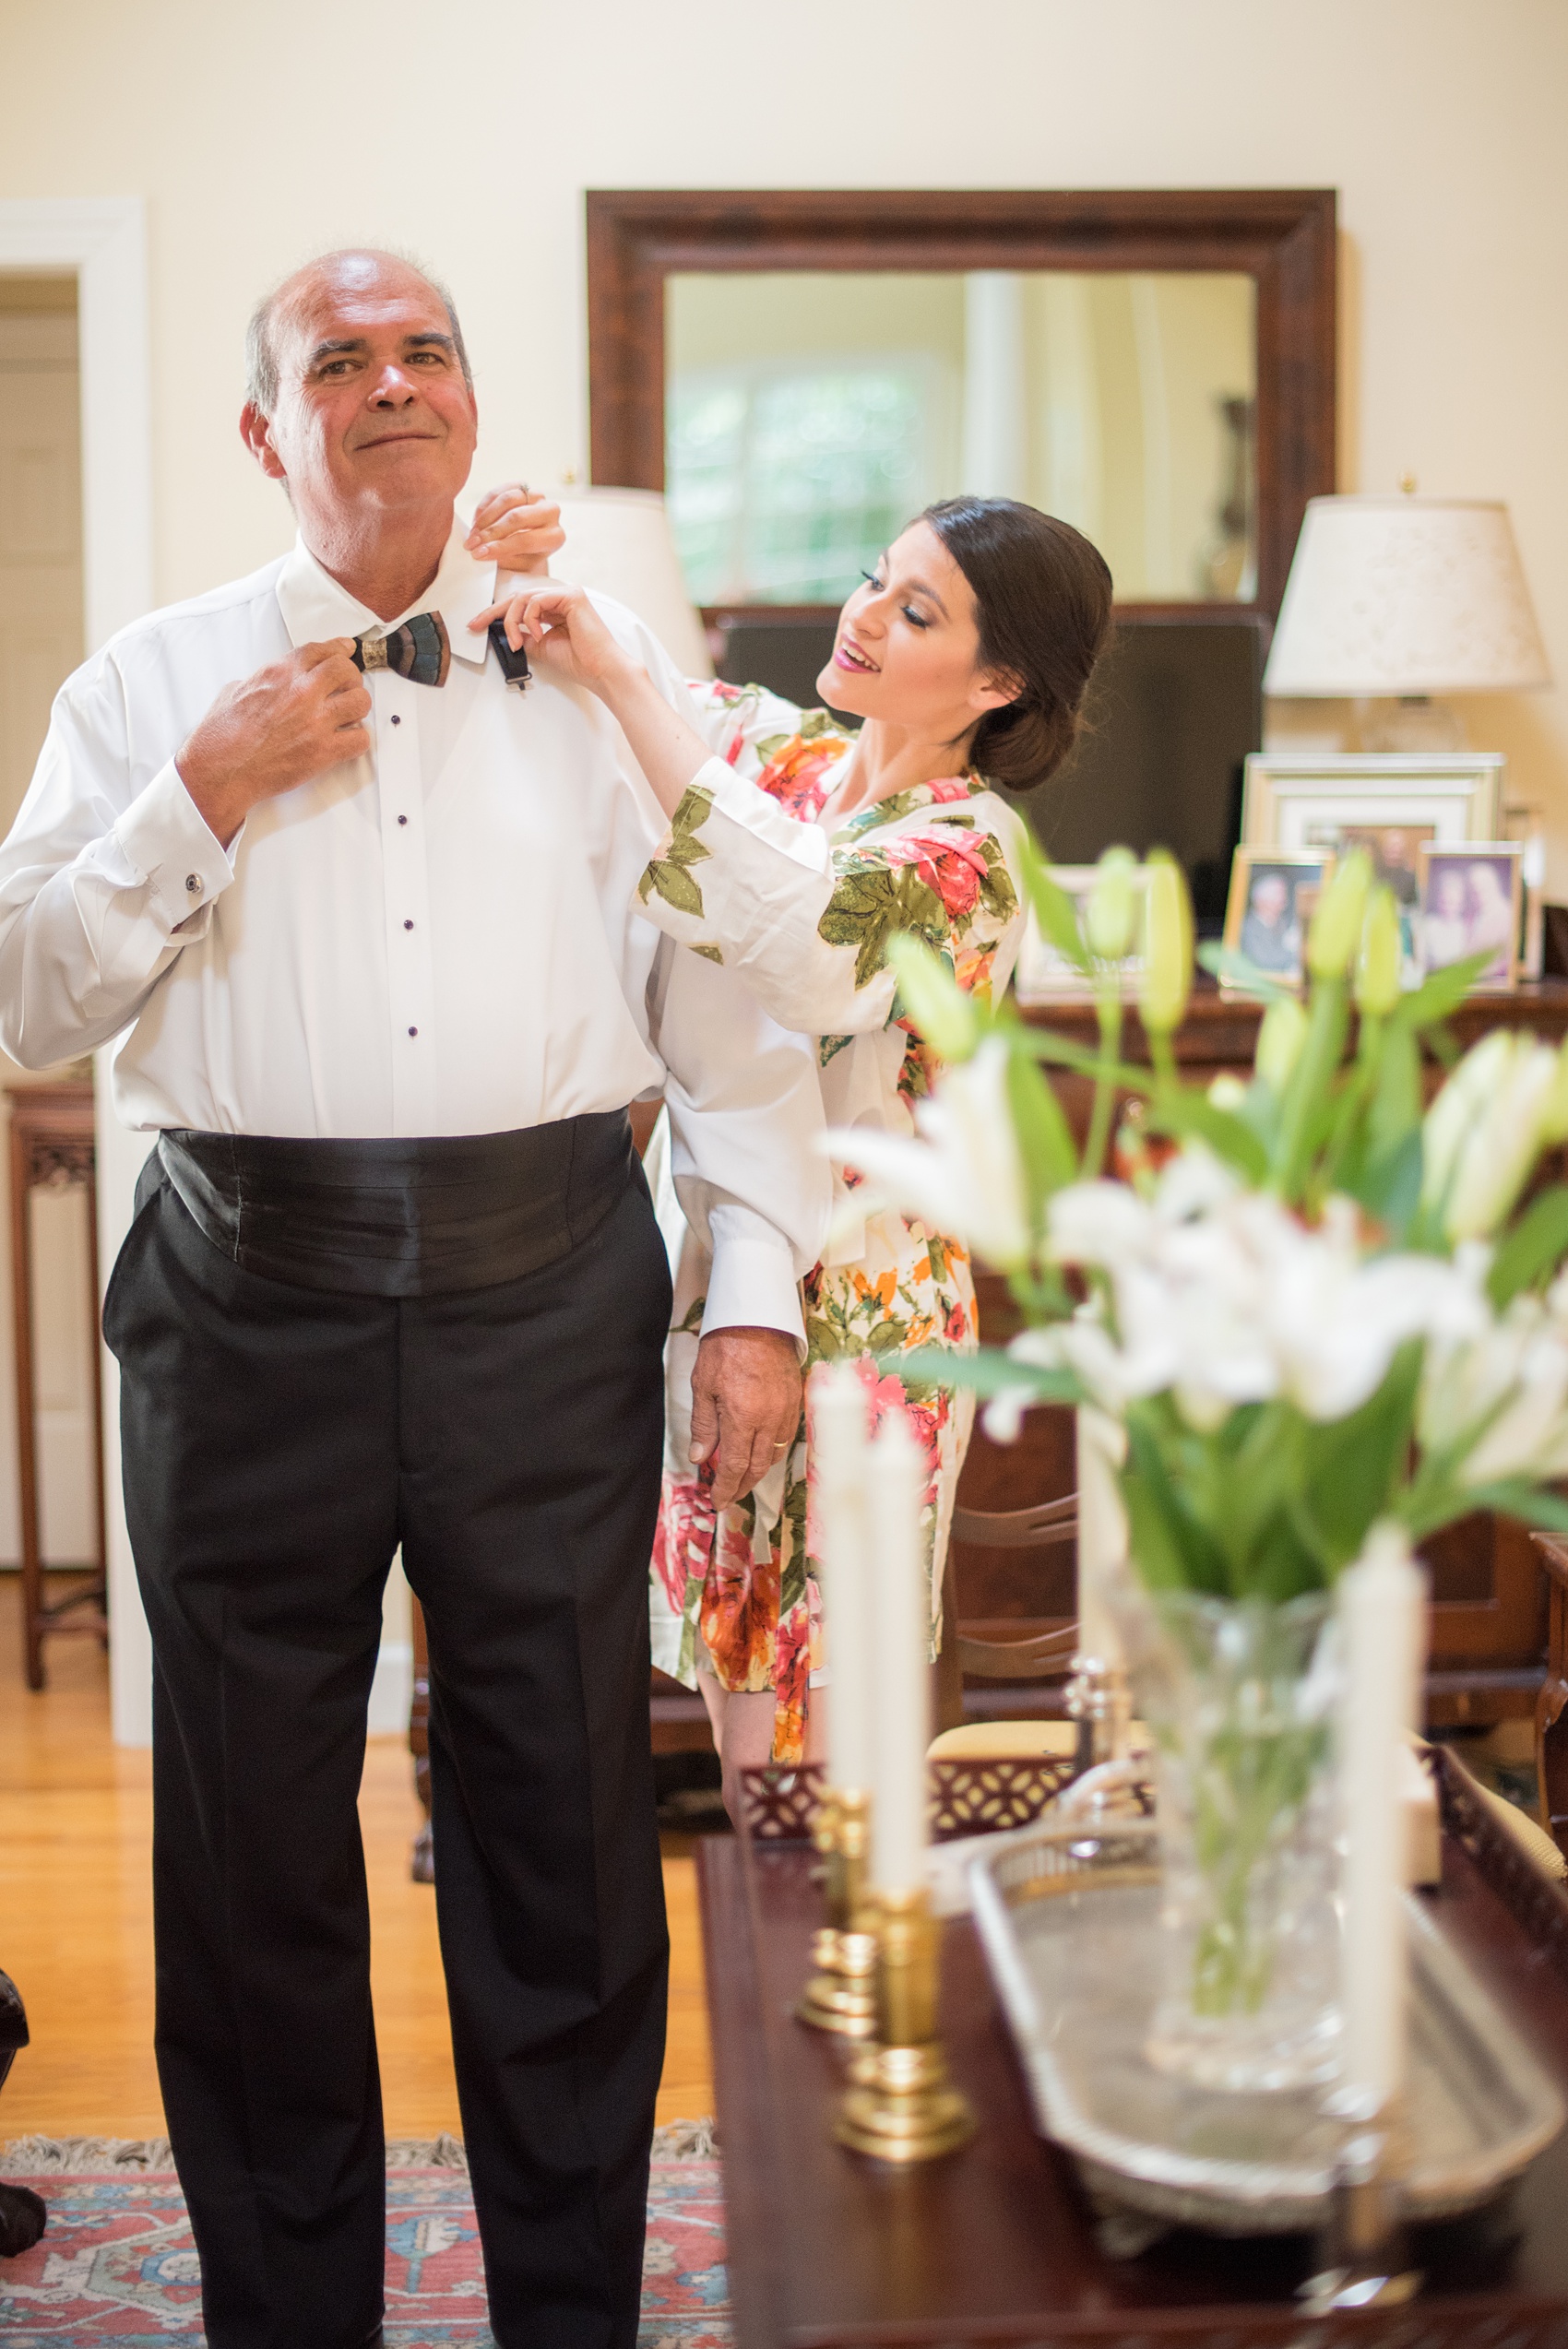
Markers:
278,1444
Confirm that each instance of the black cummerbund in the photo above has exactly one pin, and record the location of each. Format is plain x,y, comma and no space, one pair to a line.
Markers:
402,1218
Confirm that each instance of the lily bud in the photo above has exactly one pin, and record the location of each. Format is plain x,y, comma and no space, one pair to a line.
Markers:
1554,1119
1377,976
1111,920
1336,930
1168,945
1281,1033
1228,1092
1483,1133
933,998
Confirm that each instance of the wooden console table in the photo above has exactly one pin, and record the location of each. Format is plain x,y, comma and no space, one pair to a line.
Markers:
53,1147
995,2245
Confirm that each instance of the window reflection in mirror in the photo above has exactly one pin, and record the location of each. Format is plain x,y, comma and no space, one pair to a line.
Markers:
809,415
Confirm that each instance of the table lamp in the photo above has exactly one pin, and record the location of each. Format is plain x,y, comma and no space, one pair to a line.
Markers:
620,542
1399,599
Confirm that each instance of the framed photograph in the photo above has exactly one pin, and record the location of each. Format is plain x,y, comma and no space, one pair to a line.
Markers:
1300,802
1045,977
1526,824
1273,892
1471,902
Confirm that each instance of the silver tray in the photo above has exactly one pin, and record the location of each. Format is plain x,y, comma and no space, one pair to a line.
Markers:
1070,1921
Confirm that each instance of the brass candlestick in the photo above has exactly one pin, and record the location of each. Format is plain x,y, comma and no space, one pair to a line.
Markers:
900,2105
841,1993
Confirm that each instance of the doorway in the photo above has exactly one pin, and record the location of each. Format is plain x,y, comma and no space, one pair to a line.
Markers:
42,640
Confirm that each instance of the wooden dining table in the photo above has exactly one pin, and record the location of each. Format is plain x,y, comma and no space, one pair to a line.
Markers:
996,2244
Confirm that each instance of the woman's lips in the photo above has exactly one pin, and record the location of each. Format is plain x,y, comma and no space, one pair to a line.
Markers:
848,655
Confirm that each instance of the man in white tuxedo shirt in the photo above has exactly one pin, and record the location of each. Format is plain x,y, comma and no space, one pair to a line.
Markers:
361,912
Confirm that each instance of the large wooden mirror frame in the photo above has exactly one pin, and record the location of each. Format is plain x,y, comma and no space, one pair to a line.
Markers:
1283,238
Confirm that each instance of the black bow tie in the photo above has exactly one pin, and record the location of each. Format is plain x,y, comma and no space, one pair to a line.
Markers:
419,650
422,650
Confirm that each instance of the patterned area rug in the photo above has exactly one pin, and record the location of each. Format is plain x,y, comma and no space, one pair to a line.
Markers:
117,2263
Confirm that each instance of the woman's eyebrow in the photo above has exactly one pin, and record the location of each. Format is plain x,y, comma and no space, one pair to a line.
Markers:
919,587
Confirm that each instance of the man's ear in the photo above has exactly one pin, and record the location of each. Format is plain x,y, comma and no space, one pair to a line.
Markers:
255,431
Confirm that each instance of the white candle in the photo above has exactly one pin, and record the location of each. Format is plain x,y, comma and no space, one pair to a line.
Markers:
1102,1532
901,1606
1381,1601
839,1465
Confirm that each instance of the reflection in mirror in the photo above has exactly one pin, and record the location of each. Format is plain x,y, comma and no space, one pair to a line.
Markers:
809,415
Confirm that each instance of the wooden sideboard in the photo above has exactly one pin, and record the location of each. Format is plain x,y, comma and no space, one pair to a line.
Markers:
996,2243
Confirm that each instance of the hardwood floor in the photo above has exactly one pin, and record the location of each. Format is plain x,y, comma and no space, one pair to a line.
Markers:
75,1922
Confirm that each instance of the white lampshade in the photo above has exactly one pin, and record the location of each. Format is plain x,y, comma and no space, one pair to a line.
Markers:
620,542
1405,595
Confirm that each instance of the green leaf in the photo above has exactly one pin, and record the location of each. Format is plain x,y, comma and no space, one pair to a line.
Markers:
1228,1134
1535,1246
988,1371
1442,993
1307,1108
1352,1465
1394,1108
1046,1045
1174,1547
1389,1188
1043,1136
1513,1497
1233,969
1055,911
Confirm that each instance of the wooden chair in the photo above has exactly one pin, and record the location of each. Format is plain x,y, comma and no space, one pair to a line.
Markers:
1015,1656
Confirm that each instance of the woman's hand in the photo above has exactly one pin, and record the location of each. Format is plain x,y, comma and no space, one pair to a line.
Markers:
517,528
566,637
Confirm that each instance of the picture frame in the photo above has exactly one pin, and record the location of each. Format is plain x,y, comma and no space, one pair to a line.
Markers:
1043,976
1267,913
1526,824
1472,897
1392,804
1295,801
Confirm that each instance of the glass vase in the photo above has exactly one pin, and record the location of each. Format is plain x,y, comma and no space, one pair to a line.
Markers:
1239,1697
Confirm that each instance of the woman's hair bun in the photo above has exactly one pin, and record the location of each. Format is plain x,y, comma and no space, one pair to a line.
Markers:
1042,603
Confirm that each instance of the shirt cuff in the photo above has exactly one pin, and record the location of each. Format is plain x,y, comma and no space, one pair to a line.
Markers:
168,845
752,1286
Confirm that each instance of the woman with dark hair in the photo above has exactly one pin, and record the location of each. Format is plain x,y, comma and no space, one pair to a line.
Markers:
796,849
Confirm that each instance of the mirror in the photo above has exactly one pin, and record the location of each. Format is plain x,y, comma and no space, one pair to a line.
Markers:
807,414
1160,359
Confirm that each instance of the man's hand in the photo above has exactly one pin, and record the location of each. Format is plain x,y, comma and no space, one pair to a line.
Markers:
745,1407
270,731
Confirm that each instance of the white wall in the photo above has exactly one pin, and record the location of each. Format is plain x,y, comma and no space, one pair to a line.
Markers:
469,133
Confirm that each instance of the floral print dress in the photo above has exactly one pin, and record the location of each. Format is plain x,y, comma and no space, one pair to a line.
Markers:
747,876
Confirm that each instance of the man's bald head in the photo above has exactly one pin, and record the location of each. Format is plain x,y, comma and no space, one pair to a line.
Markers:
355,269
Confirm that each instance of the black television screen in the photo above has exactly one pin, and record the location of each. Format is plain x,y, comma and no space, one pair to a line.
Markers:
1174,708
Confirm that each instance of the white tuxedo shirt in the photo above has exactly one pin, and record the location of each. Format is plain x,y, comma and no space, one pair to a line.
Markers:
440,938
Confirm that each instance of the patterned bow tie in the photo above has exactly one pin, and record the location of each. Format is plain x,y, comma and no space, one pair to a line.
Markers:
420,650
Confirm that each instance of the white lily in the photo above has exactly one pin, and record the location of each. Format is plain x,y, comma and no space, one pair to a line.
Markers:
964,1173
1512,1373
1225,1297
1484,1131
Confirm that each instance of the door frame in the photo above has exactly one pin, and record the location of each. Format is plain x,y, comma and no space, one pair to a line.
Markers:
103,242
